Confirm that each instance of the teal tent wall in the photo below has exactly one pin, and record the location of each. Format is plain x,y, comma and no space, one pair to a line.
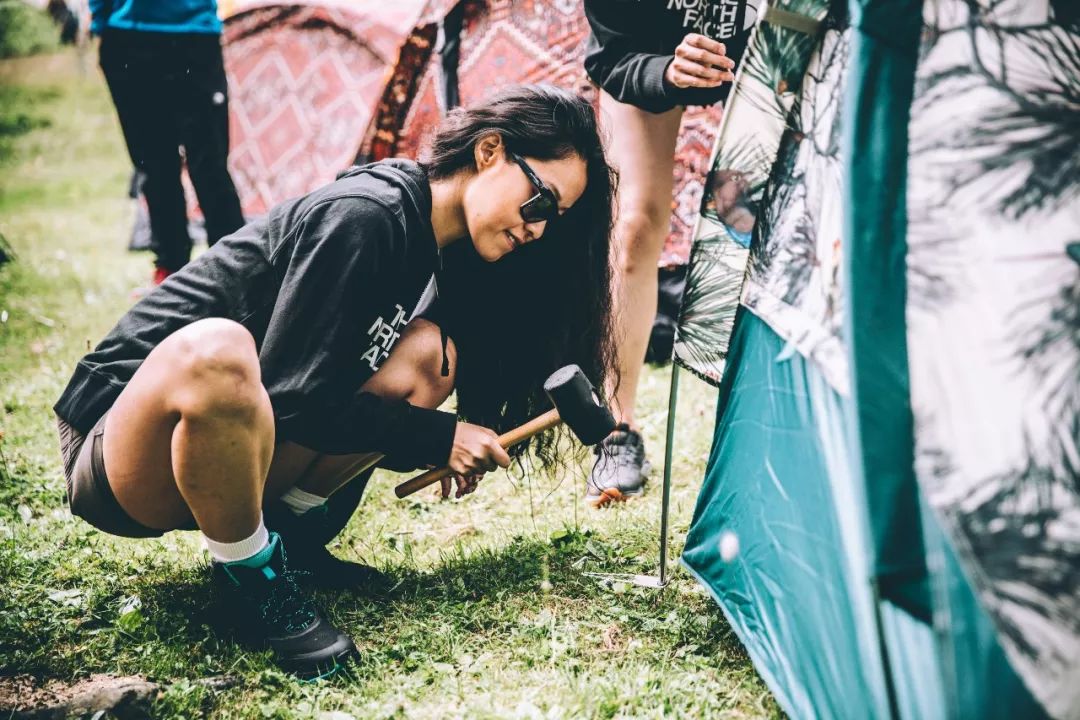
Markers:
846,590
881,75
977,678
778,482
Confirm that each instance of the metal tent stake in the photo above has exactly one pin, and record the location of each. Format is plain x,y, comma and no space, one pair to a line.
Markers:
660,581
669,443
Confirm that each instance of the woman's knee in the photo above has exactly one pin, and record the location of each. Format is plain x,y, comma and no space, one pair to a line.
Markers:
414,369
216,368
640,231
439,362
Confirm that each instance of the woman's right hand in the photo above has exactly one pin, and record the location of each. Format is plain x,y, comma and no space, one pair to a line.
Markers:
476,450
700,62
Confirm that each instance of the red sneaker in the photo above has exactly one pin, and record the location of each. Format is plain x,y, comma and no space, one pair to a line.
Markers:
160,274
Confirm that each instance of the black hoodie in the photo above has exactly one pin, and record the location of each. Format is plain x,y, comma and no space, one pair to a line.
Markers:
325,284
633,42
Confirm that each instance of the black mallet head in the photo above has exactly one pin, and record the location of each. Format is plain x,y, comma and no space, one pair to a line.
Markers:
578,405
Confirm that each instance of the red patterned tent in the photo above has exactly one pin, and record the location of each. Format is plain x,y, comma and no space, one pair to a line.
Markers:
304,79
524,41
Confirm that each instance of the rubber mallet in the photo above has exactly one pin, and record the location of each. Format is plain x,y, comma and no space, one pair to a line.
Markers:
576,404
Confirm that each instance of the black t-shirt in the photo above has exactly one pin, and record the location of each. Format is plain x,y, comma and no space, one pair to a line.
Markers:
633,41
325,283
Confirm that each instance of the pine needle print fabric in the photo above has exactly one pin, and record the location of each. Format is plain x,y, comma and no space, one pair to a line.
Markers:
994,317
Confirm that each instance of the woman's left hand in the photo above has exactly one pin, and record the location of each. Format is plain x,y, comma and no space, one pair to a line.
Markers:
465,485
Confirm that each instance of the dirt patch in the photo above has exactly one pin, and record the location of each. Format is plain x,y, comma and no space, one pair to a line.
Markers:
25,696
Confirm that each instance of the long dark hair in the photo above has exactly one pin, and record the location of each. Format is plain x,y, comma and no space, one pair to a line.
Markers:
548,303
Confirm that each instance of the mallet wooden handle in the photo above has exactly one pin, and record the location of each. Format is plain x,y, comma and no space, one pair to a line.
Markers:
508,439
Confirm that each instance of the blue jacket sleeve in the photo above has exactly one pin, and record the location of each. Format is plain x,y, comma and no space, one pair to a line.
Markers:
99,10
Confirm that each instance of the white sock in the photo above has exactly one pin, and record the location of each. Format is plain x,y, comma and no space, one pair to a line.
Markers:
228,552
300,501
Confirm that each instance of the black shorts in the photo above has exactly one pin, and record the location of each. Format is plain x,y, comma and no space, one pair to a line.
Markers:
88,491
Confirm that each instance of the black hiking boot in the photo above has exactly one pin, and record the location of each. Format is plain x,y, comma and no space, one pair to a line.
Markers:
268,608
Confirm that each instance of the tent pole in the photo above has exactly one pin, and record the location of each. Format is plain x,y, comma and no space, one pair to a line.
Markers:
673,399
654,581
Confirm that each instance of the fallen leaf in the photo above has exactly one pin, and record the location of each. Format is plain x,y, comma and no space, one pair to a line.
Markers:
612,637
130,617
71,598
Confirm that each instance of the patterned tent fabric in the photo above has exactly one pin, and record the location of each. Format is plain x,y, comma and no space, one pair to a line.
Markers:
988,255
994,317
303,80
762,110
527,41
793,281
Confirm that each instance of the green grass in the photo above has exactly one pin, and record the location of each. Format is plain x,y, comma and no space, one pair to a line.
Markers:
25,30
495,614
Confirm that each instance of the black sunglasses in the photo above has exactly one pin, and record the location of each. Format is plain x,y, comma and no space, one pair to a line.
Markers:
542,206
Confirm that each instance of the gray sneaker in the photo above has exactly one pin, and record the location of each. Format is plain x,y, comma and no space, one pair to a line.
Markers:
620,470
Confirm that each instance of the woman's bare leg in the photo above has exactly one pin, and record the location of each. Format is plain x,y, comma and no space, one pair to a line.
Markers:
192,434
641,145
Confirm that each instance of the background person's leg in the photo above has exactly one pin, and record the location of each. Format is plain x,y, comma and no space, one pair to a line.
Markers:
140,91
641,145
203,118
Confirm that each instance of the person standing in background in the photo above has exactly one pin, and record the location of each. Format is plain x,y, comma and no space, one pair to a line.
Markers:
651,59
162,61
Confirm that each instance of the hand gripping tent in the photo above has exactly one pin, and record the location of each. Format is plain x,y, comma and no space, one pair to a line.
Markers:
890,517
